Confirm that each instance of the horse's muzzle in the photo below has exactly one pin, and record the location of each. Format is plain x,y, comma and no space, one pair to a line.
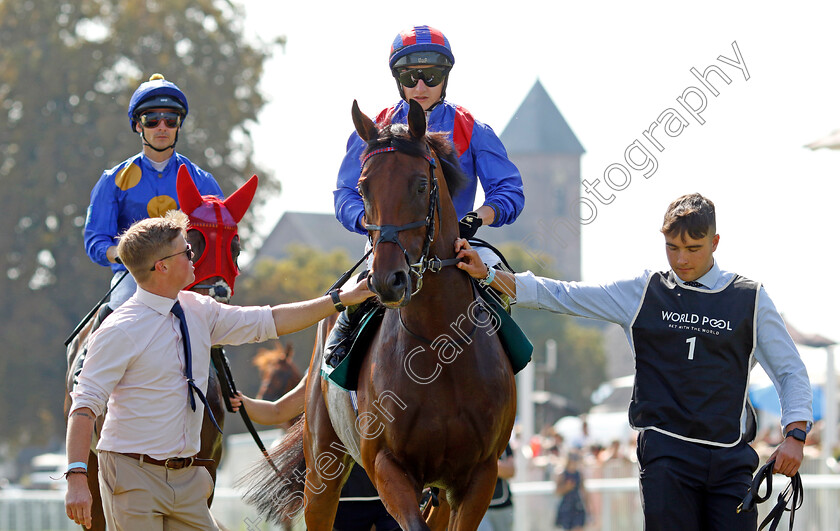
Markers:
392,288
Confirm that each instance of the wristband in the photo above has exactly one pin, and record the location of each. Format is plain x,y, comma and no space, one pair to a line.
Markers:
77,464
797,434
336,300
486,281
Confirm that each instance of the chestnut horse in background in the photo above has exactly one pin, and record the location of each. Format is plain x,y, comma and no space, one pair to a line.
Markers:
435,391
214,238
278,375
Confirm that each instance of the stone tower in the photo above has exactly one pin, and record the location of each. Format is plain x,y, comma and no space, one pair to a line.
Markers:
546,151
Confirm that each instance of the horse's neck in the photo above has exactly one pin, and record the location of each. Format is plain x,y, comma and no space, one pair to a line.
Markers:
446,294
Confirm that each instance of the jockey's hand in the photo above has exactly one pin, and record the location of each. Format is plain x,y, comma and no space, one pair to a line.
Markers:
469,224
470,261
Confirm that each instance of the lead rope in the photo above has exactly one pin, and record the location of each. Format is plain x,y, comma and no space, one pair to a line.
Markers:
793,493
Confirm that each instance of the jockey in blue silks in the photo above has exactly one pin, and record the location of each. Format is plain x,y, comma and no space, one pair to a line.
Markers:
142,186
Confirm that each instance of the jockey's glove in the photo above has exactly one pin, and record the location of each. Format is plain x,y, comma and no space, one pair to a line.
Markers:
469,224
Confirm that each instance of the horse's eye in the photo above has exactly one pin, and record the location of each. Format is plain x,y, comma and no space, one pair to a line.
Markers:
196,239
235,250
422,188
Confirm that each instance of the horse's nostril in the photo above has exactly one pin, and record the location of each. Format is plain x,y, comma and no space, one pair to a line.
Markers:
400,280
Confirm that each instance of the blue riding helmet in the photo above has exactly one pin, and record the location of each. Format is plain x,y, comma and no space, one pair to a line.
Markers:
156,93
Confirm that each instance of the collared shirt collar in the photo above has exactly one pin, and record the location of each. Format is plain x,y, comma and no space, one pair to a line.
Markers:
162,305
709,280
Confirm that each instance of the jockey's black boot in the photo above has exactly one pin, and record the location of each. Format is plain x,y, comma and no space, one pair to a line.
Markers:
346,330
340,339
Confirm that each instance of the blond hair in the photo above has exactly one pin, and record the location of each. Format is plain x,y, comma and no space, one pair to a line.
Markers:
147,240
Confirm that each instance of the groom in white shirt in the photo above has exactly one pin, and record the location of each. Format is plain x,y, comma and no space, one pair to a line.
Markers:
154,387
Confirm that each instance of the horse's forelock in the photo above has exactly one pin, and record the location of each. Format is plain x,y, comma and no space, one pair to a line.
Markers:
398,136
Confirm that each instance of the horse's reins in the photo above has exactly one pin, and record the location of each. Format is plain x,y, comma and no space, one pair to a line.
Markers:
390,233
792,493
92,311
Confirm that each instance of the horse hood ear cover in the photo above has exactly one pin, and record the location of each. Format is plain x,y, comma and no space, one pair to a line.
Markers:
217,221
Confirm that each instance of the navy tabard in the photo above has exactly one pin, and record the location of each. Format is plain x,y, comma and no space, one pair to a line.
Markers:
693,350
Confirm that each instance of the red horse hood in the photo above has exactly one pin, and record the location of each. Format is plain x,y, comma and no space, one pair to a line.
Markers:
217,221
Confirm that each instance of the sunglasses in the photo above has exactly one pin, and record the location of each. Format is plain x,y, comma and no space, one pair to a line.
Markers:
151,120
432,76
188,251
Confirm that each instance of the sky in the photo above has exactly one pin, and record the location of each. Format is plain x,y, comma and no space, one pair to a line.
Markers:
612,69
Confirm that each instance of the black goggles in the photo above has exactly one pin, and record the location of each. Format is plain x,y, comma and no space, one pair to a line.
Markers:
152,119
188,251
432,76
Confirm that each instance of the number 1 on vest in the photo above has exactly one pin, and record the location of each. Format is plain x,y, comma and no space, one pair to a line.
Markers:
691,342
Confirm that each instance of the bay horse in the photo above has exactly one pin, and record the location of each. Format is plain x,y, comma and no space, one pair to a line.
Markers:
435,391
214,238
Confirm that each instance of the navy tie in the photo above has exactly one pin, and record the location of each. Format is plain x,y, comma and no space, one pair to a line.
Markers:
694,284
191,387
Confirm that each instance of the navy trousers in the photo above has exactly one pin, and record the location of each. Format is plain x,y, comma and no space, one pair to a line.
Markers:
692,487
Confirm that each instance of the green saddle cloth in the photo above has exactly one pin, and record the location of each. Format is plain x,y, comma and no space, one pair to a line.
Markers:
516,344
346,374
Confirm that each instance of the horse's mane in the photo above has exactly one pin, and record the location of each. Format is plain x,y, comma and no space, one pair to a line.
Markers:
398,136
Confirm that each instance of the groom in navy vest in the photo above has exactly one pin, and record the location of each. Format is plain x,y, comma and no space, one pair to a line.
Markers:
696,331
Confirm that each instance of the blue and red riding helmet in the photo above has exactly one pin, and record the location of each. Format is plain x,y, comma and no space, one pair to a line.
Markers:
421,46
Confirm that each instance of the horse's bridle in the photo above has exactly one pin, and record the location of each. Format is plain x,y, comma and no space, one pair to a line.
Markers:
390,233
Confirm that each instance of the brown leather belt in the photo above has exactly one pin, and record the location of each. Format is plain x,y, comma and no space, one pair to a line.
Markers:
174,463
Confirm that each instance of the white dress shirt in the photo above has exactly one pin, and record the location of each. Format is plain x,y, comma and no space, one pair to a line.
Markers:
135,363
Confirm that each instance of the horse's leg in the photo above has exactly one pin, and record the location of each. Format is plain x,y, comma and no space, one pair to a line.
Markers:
398,493
469,505
97,514
437,518
323,489
327,467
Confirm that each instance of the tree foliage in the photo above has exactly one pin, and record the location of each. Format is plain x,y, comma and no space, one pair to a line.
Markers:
67,71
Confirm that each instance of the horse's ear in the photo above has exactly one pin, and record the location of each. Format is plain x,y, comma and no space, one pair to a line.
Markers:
416,120
189,198
239,201
364,125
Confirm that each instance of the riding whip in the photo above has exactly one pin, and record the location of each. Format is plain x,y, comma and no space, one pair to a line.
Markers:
92,311
346,275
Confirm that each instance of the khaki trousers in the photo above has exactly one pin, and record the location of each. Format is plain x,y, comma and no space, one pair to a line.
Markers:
147,497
